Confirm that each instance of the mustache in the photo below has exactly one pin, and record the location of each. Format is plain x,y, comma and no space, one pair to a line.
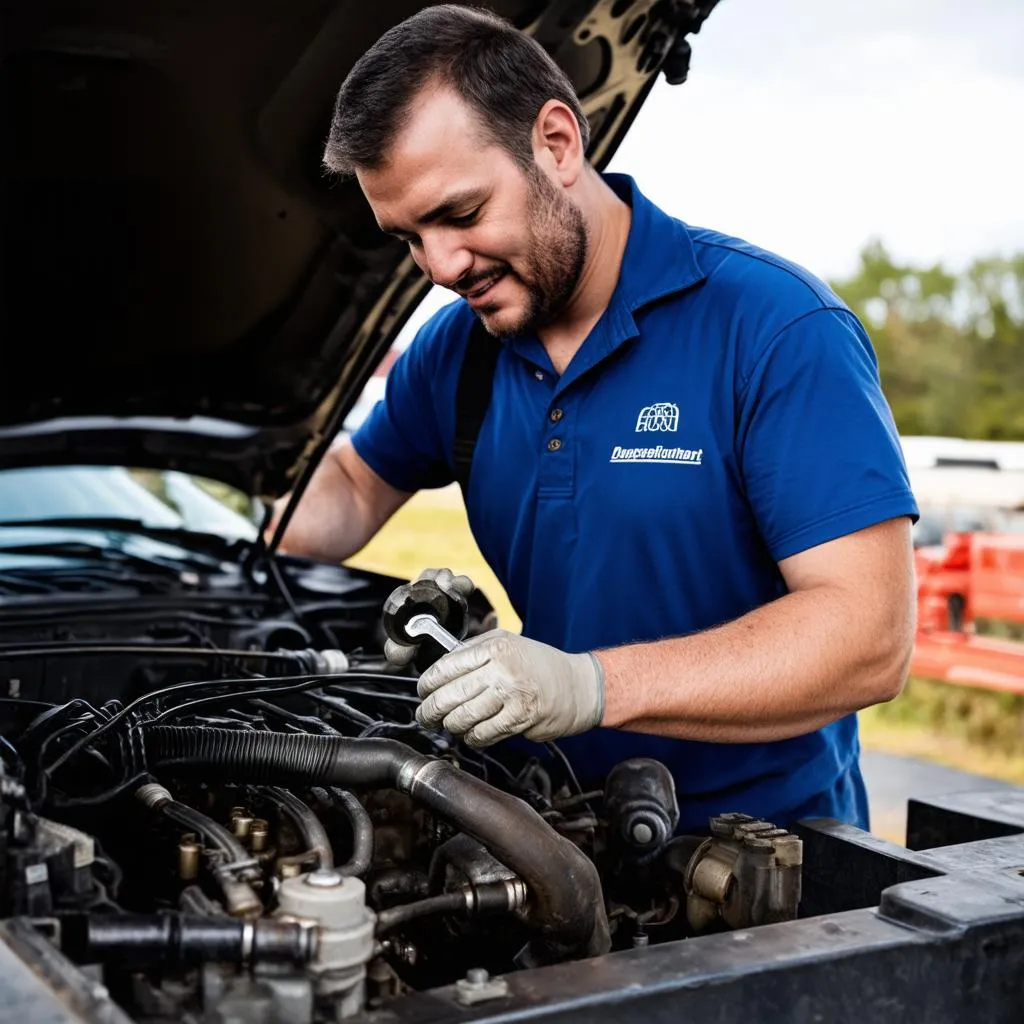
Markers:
466,285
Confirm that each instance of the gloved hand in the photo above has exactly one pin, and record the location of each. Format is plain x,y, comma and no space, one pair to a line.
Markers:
499,684
446,581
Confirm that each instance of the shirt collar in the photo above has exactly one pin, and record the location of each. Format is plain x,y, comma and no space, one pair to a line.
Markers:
659,259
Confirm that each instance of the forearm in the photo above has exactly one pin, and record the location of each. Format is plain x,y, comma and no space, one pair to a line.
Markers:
782,670
341,509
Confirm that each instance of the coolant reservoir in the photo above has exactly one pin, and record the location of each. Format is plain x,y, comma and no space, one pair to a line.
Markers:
338,905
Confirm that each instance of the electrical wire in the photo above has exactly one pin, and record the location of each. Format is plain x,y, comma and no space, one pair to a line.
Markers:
218,698
101,798
148,698
309,682
114,649
18,764
355,691
560,754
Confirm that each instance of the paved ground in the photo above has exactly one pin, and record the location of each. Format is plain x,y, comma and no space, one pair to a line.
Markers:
892,780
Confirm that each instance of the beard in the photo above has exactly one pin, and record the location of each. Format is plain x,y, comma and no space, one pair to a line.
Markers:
558,253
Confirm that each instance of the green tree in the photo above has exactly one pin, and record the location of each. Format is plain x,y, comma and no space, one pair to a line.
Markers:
950,346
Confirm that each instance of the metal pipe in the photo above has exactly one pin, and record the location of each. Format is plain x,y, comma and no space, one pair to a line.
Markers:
139,940
362,832
314,835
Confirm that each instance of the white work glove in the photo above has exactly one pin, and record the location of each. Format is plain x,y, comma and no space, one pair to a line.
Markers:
401,655
500,684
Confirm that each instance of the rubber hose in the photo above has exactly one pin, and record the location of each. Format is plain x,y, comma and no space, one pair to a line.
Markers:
314,835
446,903
362,832
564,888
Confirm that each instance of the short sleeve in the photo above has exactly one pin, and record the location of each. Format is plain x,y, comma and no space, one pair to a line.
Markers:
818,448
400,440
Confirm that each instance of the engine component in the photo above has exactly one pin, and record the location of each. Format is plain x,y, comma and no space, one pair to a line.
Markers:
189,852
43,863
565,890
170,940
338,905
747,873
487,898
234,869
313,834
448,608
640,803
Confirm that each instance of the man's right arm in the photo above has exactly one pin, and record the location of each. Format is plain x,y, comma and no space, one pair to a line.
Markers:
343,507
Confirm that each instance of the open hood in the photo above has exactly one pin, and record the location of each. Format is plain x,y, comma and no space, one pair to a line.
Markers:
183,287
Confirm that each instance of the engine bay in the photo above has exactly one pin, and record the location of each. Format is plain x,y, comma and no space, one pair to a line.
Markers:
217,803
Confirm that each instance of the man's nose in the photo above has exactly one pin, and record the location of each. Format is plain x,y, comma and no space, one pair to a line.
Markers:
445,259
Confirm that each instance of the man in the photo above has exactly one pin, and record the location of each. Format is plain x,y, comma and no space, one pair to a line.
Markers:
687,480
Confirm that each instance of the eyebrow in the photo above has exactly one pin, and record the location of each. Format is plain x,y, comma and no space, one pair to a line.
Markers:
443,209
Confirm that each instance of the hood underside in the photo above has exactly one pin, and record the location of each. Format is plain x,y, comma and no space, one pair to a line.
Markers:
183,286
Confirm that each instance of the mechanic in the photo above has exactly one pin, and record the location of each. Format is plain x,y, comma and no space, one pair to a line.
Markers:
687,478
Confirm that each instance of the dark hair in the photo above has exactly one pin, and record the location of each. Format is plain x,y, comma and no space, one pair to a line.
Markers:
502,73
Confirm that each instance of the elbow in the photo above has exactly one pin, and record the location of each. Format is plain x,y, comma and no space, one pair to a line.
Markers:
891,652
892,678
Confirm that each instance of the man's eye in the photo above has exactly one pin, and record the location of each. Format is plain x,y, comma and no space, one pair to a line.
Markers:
465,220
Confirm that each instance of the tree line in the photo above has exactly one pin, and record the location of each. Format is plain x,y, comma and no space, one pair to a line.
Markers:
950,345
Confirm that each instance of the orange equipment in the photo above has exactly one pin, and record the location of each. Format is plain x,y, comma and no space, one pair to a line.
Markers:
971,576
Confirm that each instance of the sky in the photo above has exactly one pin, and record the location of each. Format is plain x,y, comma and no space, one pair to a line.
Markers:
809,127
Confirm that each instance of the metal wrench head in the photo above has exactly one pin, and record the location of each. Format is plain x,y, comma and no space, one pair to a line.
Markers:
426,625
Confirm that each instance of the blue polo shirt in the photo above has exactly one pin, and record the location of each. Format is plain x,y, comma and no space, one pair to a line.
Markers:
725,413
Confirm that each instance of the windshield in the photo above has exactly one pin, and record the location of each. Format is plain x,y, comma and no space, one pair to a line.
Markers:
161,500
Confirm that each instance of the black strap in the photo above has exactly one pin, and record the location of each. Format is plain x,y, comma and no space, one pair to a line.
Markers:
473,398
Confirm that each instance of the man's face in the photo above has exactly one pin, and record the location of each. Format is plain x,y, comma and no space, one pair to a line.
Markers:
510,242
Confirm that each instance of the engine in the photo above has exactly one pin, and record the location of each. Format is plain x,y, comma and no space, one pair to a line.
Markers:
226,812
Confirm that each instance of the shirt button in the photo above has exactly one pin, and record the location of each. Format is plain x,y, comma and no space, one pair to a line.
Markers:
554,444
556,415
539,374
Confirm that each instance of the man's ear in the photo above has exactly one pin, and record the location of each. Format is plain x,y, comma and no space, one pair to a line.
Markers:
557,143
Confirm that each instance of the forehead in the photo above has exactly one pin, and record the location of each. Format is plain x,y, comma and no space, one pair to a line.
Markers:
442,150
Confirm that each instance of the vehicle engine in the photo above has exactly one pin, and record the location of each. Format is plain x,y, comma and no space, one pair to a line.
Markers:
219,804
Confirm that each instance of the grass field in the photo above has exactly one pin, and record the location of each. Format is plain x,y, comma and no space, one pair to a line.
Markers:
960,727
432,532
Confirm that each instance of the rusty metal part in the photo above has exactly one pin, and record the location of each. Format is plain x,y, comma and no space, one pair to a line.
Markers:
747,873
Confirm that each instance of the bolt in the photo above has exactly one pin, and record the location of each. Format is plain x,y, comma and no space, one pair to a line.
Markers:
478,976
642,833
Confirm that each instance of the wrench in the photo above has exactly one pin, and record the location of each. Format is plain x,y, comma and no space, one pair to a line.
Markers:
426,625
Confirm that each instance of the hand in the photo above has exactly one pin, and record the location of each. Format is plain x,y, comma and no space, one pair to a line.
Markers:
499,684
456,587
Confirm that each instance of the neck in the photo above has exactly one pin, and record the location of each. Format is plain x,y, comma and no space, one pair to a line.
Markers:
607,219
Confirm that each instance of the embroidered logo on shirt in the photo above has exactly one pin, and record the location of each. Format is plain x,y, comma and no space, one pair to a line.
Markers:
672,456
660,416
